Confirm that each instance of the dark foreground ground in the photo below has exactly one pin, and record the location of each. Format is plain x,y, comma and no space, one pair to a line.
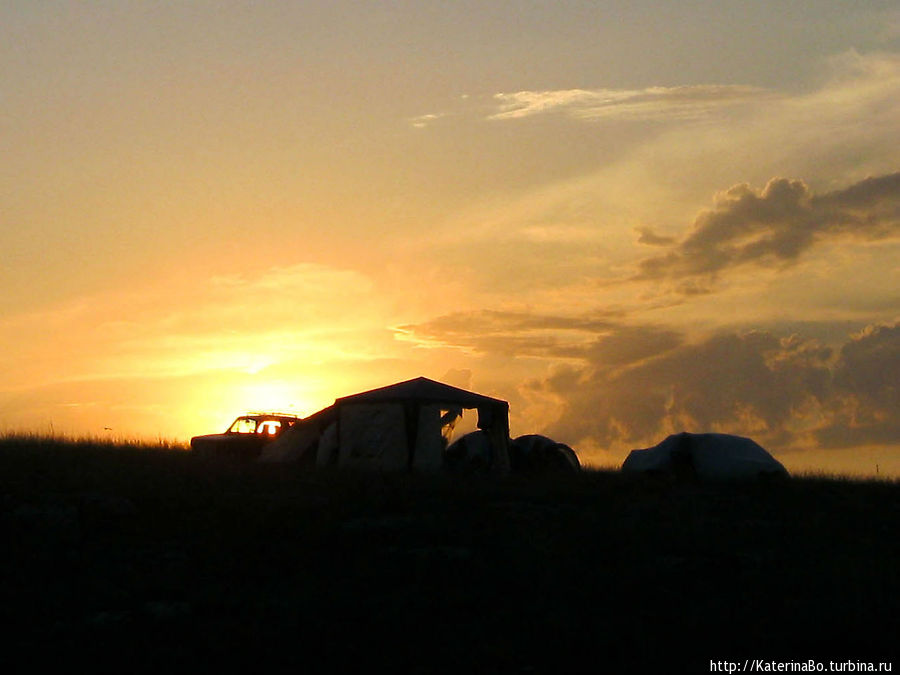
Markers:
141,560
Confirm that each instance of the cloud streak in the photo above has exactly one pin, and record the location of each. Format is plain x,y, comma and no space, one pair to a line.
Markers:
422,121
519,334
682,102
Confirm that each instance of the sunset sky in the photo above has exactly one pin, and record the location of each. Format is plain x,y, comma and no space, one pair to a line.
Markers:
626,218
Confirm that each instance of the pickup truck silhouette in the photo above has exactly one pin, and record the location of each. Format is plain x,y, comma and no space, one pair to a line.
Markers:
245,438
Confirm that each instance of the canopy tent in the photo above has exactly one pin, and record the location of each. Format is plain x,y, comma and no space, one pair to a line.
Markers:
400,426
403,425
707,456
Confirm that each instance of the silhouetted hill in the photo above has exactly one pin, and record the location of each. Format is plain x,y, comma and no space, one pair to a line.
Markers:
142,559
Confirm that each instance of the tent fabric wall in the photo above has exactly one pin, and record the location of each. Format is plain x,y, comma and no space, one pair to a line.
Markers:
429,449
292,445
722,456
327,451
373,435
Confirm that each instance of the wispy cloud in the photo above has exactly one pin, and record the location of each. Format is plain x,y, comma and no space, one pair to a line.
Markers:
689,101
422,121
511,333
650,238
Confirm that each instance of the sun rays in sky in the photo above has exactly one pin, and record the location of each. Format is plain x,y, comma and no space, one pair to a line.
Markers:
626,218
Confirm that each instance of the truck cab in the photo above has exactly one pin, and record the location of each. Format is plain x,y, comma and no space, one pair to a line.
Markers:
245,437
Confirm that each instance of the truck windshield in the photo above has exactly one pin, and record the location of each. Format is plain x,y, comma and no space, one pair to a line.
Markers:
243,425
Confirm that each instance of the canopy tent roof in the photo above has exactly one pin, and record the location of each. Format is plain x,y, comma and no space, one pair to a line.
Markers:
423,390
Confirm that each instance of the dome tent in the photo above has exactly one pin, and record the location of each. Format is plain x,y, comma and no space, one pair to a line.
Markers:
706,456
531,455
534,454
471,453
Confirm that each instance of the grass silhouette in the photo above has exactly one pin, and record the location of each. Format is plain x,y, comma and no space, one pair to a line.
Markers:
139,556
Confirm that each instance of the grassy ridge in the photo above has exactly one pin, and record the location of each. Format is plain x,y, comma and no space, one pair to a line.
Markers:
143,557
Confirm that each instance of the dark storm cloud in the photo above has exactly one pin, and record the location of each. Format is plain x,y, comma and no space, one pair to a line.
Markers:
751,381
776,226
867,386
633,384
869,365
788,392
631,344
